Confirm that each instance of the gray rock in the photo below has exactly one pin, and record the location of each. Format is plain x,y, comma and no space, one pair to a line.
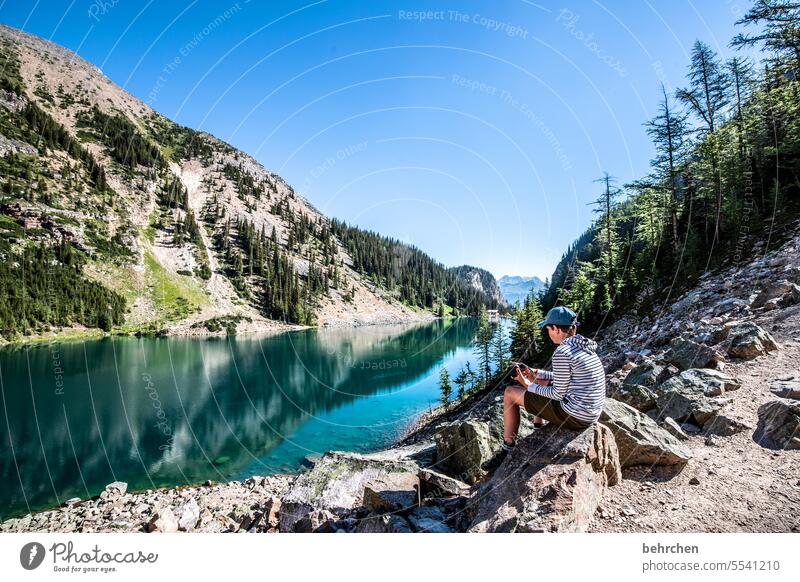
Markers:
114,490
433,482
391,492
190,514
461,448
316,521
786,389
336,483
647,374
164,521
722,425
686,353
747,340
779,425
694,395
639,397
782,293
386,523
712,382
729,305
551,481
640,441
429,520
673,428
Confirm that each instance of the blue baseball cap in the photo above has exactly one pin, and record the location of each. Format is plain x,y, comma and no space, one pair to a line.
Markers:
560,316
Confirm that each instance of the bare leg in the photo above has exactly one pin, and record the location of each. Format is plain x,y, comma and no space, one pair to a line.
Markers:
513,398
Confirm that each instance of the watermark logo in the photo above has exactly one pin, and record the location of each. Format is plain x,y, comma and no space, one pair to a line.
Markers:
31,555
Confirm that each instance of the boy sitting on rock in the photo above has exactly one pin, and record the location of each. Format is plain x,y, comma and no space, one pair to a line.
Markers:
571,396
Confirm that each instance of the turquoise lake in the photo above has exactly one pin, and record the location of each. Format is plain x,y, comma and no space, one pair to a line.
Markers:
169,411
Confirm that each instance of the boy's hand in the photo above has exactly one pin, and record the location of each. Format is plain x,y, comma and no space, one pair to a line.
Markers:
530,374
520,377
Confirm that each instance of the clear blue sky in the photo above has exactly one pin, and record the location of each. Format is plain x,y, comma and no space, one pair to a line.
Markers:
473,130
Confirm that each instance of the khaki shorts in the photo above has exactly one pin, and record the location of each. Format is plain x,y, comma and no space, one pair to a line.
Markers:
552,411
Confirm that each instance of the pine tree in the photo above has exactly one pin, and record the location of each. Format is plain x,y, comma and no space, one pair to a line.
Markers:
669,131
707,96
778,24
461,380
483,343
445,389
606,204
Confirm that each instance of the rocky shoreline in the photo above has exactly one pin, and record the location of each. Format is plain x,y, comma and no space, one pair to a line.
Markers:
700,432
248,329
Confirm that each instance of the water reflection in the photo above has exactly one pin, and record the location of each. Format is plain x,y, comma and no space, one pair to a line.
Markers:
162,411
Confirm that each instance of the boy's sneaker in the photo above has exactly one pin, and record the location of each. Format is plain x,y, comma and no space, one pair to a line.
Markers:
497,459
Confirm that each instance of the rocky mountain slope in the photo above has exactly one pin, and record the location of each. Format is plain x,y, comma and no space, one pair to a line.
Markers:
190,234
700,432
483,281
516,289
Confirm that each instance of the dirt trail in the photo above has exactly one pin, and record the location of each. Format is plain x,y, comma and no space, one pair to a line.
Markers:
742,485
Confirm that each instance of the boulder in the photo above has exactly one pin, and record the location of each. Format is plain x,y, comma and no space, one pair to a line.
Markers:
114,490
673,428
722,425
781,293
686,353
461,448
272,510
779,425
336,483
316,521
712,382
640,441
386,523
164,521
434,483
730,305
638,396
190,513
429,520
648,374
746,340
786,389
694,395
551,481
391,492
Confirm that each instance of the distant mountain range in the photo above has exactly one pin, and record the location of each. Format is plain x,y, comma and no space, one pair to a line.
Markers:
515,288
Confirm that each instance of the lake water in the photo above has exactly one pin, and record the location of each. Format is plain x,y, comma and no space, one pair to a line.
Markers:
167,411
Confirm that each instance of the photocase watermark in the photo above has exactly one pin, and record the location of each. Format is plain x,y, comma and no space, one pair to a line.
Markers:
31,555
330,161
100,8
569,20
169,69
162,424
58,371
67,560
523,108
351,362
476,18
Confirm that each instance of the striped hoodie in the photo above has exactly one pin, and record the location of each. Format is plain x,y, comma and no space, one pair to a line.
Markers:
578,379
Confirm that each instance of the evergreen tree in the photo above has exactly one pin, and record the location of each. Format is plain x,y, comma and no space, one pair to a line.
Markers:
461,381
445,389
669,131
707,96
483,343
